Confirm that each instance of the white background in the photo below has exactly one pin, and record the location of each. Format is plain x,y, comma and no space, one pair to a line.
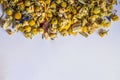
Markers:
69,58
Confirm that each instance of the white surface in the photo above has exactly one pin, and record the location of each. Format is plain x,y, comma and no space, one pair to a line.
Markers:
69,58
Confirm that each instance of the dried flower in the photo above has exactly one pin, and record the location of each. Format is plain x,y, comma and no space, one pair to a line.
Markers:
51,17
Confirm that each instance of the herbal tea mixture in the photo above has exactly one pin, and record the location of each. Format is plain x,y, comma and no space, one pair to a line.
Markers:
52,17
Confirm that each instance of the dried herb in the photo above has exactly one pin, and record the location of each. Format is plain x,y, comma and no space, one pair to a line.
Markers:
51,17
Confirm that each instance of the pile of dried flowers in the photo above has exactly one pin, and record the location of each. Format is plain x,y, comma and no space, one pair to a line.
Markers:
51,17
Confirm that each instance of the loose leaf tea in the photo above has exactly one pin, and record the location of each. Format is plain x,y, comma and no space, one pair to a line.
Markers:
52,17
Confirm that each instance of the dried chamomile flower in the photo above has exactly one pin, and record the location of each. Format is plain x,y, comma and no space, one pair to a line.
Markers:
27,3
41,30
32,22
27,28
103,32
84,29
96,10
28,35
9,31
114,17
70,32
64,32
58,1
21,6
34,31
9,11
106,24
63,4
6,24
18,15
37,8
51,17
53,35
53,5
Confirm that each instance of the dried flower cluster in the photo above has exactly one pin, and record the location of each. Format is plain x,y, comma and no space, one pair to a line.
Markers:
53,17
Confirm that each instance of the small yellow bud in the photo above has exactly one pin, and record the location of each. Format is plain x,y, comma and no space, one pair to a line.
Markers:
18,15
32,22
